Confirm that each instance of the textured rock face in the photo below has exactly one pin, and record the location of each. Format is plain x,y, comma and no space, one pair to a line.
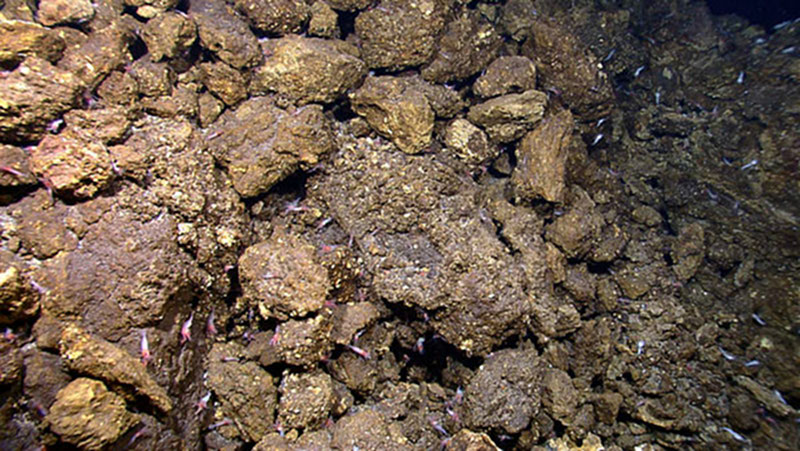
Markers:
168,34
308,69
222,32
275,17
508,117
60,12
505,75
19,40
89,416
468,142
542,158
398,110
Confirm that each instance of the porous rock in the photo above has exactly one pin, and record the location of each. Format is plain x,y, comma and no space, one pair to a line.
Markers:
306,400
168,34
222,32
506,74
60,12
368,429
508,117
19,40
541,159
275,17
468,142
89,416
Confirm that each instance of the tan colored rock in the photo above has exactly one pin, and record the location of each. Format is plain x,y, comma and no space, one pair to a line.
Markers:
282,278
119,88
261,144
18,299
89,416
368,429
396,110
508,117
225,82
168,34
349,5
590,443
16,159
541,159
324,21
300,343
87,355
308,69
647,215
209,109
224,33
60,12
306,400
275,16
151,8
73,166
688,251
32,96
469,43
19,40
399,34
105,50
559,397
468,142
466,440
246,392
506,74
766,397
107,125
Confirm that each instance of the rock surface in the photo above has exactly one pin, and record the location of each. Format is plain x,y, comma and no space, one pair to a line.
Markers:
505,75
542,158
508,117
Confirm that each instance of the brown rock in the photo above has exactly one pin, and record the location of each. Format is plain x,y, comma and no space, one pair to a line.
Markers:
466,440
87,355
635,281
16,159
308,69
368,430
72,165
606,406
580,283
245,391
168,34
223,33
208,109
108,125
300,343
32,96
399,34
261,144
324,21
105,50
275,17
351,318
508,117
506,74
306,400
559,397
565,63
154,79
516,18
10,364
688,251
504,393
397,110
60,12
44,377
282,277
349,5
468,45
542,157
151,8
469,143
19,40
44,233
89,416
119,88
225,82
647,215
18,299
576,230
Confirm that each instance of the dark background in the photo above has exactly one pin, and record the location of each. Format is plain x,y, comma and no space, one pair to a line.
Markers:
764,12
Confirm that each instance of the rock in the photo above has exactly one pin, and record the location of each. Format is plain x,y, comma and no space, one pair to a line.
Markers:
581,284
261,144
634,280
167,35
506,74
32,96
19,40
87,355
119,88
300,343
324,21
108,125
106,49
606,406
308,69
44,233
590,443
688,251
399,34
154,79
18,299
566,64
225,82
275,17
151,8
61,12
349,5
541,159
559,397
281,276
10,364
575,231
351,318
222,32
508,117
306,400
466,440
516,18
89,416
44,377
245,391
396,109
469,143
208,109
504,394
468,45
368,429
647,215
16,159
766,397
72,165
